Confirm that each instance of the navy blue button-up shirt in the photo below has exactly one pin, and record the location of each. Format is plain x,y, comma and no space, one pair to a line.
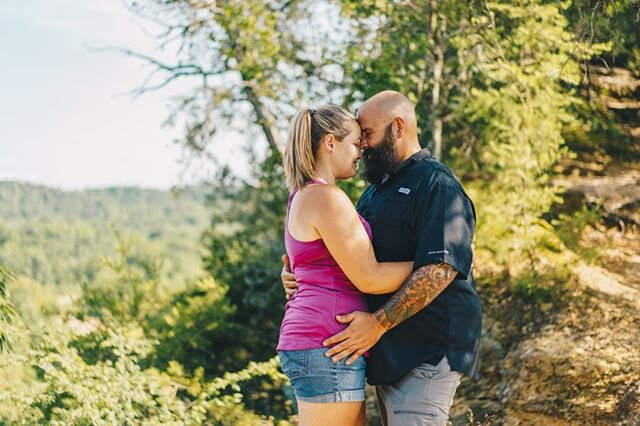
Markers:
421,213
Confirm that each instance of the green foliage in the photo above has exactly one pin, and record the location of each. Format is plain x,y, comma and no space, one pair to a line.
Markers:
194,328
519,106
55,237
100,371
501,78
116,389
130,323
406,46
35,301
570,228
7,313
129,207
541,288
246,57
608,84
614,22
129,287
244,247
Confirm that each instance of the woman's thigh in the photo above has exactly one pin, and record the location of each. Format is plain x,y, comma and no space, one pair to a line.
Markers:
334,414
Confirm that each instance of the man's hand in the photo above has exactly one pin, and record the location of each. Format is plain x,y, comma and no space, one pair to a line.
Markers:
363,332
424,285
288,279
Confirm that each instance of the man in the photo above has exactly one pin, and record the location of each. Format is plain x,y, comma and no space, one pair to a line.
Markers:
426,335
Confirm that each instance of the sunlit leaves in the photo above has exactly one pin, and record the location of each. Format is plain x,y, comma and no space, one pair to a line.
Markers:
526,64
7,313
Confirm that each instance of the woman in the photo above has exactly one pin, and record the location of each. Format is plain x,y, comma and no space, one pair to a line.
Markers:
329,246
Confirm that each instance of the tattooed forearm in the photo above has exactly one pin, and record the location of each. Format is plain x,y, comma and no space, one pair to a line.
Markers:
424,285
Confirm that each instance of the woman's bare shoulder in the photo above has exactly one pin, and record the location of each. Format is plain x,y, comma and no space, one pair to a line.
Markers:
325,198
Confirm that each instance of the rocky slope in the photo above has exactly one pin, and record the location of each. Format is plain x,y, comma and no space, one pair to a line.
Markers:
574,361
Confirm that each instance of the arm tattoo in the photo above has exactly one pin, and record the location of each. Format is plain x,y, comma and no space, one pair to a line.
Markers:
424,285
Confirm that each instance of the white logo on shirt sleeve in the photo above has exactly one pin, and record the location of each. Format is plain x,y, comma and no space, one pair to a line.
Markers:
404,190
445,251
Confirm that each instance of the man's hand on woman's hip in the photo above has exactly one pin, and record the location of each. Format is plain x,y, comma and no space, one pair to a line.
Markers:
289,282
363,332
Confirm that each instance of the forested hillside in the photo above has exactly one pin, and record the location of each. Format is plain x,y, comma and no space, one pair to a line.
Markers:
57,237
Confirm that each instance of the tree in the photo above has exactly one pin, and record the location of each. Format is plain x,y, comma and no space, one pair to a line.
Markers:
500,78
244,246
526,67
252,67
615,22
406,46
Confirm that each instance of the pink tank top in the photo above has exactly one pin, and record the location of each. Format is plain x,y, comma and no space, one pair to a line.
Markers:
324,291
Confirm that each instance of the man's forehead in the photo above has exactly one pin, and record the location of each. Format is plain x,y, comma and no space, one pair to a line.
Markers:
363,125
369,120
365,116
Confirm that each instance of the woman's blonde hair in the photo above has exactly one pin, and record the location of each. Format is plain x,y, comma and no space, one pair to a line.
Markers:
306,130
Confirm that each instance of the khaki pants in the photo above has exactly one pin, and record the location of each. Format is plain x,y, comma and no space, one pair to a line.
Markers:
422,397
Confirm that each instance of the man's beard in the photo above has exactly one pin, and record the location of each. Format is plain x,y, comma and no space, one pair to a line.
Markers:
380,160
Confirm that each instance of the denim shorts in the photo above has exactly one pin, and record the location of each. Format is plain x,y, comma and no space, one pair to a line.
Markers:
316,378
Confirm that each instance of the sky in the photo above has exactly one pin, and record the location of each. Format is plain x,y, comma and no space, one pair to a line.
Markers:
67,118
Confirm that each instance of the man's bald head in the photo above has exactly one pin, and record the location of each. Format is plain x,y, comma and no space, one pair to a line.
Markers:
385,106
389,133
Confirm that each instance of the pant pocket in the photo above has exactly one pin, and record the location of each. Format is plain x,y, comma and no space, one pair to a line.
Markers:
293,363
425,371
441,391
429,390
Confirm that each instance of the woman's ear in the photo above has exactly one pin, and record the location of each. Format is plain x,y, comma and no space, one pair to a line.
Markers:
328,142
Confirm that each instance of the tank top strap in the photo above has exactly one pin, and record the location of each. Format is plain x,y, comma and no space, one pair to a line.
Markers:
316,181
293,193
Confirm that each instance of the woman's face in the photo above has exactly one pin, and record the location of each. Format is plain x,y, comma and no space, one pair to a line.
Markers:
346,153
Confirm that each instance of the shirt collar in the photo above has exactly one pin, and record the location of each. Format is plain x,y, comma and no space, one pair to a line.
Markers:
423,153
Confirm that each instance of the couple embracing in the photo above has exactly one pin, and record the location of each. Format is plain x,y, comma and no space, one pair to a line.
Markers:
384,290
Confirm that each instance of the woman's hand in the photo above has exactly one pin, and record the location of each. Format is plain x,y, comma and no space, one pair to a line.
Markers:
289,282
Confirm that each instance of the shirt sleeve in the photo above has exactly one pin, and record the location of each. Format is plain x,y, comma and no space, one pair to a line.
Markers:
444,226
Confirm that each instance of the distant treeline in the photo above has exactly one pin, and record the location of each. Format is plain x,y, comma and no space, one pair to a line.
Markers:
57,237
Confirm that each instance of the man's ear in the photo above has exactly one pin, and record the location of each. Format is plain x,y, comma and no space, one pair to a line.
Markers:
401,126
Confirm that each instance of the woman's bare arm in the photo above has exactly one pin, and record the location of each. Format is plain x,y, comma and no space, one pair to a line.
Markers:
335,218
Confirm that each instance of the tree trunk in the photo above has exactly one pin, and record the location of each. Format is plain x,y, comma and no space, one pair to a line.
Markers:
438,67
266,121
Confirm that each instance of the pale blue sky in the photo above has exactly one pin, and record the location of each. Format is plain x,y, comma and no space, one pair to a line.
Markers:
65,117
